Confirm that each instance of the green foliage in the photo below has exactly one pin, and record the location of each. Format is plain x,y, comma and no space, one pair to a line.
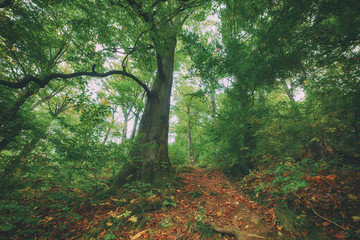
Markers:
14,216
178,154
256,118
141,189
110,236
168,201
59,141
195,194
204,229
289,176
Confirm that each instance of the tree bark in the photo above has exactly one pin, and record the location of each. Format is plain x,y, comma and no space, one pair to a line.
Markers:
154,124
136,121
126,120
108,132
28,148
149,157
212,104
133,131
289,91
9,128
190,157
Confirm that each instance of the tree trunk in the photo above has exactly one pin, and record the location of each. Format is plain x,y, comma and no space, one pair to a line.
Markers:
16,163
136,121
108,132
154,124
124,130
190,157
133,131
212,104
28,148
288,90
150,161
9,128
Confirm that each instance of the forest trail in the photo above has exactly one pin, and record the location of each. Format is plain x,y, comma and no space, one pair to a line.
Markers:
209,199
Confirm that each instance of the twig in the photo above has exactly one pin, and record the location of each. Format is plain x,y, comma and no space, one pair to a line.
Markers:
328,220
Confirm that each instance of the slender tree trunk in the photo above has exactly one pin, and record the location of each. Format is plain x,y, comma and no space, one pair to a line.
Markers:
28,148
189,143
212,103
124,130
9,128
136,121
289,92
133,131
108,132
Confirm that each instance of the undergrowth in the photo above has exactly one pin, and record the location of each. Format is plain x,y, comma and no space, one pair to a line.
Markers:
323,193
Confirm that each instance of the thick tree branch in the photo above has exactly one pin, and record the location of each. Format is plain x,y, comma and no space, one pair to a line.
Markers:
153,5
43,82
148,17
134,47
6,3
47,98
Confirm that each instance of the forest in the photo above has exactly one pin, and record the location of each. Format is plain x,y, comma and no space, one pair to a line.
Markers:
179,119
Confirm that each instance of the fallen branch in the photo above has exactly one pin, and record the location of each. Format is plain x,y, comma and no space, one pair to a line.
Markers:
328,220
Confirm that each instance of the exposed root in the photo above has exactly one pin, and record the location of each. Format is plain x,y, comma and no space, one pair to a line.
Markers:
228,230
254,236
240,235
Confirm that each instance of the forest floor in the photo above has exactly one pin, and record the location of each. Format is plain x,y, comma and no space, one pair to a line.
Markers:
210,199
208,206
205,205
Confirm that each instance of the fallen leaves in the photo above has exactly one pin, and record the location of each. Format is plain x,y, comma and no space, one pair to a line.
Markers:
144,234
102,234
219,202
47,219
133,219
352,197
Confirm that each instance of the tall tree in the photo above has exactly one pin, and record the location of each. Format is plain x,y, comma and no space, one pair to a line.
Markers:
305,41
163,22
151,34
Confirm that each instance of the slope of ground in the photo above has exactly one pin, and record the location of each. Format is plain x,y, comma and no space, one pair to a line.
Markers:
208,207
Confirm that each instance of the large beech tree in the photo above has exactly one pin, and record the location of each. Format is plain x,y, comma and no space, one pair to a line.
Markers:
162,21
136,32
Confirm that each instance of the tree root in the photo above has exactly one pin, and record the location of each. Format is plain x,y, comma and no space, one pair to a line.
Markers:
240,235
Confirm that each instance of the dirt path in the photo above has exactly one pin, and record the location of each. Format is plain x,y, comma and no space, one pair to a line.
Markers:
209,199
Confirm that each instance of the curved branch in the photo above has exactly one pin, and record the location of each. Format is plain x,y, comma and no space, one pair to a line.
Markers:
134,47
43,82
328,220
6,3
